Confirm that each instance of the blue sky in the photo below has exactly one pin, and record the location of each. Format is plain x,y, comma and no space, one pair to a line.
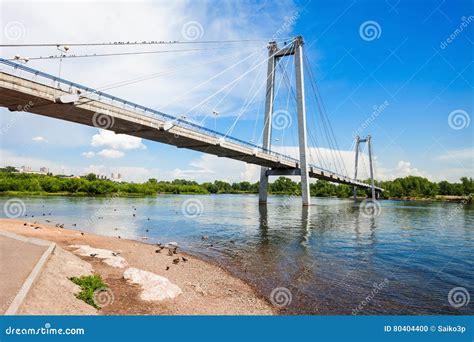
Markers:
403,66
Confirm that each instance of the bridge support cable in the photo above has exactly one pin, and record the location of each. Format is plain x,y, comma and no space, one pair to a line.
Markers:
255,94
334,146
252,55
85,99
312,137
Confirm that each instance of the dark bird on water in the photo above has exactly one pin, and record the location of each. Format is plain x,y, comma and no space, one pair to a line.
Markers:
74,224
146,230
133,215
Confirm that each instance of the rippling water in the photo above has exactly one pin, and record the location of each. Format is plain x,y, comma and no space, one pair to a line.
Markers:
330,258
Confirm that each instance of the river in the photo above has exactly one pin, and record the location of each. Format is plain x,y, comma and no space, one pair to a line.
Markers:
330,258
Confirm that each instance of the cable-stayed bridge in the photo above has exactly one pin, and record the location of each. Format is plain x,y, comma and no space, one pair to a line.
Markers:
26,89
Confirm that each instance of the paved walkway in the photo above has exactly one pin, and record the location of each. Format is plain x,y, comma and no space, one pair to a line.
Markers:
17,260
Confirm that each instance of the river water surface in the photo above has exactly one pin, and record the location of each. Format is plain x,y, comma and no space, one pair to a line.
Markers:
330,258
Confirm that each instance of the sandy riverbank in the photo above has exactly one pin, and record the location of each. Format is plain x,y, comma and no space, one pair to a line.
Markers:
206,289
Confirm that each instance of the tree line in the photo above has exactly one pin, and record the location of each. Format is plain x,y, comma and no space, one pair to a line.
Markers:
411,186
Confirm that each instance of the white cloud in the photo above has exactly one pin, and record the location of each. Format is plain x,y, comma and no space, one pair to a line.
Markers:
39,139
466,154
116,141
112,154
209,168
89,154
9,158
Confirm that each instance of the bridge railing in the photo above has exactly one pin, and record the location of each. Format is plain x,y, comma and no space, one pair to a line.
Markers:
70,87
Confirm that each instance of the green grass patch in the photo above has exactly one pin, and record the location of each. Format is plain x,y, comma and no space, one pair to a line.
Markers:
89,284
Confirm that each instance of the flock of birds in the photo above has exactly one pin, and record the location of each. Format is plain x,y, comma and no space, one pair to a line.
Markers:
171,247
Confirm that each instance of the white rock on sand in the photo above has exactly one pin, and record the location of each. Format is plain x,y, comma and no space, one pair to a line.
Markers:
107,255
154,286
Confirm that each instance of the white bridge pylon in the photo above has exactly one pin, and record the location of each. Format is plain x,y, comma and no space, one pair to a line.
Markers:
296,50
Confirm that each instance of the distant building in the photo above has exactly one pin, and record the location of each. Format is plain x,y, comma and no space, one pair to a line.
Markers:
27,169
116,177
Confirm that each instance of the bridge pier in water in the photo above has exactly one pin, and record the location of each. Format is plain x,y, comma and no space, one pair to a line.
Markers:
274,54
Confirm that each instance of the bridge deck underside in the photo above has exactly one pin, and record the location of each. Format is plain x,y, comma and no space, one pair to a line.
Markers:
20,94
